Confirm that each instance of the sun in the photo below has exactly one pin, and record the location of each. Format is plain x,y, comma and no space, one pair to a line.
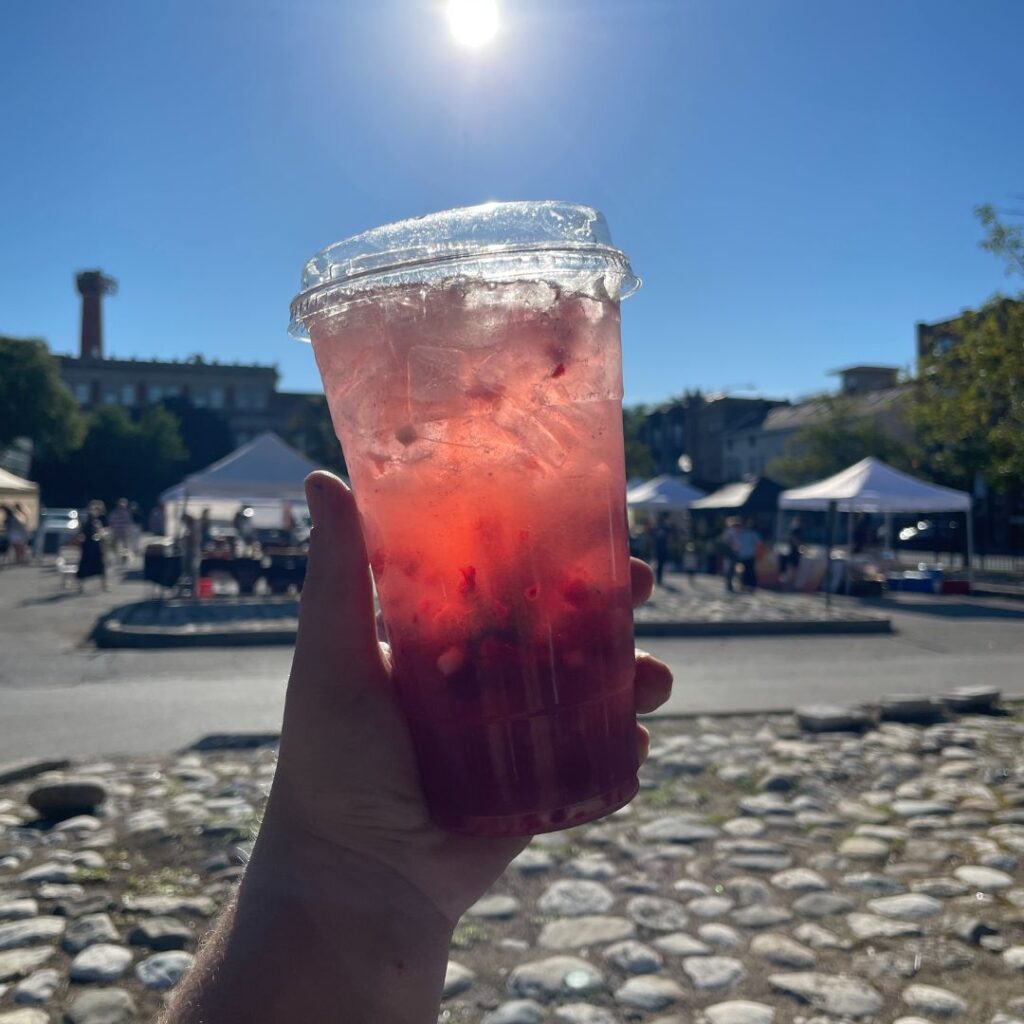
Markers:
473,23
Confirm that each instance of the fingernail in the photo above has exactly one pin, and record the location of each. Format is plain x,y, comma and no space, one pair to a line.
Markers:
314,498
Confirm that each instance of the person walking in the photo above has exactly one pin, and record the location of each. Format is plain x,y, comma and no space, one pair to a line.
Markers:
92,527
16,527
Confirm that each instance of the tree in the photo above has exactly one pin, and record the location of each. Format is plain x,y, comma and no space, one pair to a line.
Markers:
639,461
969,410
204,432
311,431
1002,239
839,439
34,402
119,458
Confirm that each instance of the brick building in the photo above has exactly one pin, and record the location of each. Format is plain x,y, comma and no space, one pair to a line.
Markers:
245,394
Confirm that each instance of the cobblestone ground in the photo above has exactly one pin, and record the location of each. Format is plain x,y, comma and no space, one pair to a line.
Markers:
763,874
705,600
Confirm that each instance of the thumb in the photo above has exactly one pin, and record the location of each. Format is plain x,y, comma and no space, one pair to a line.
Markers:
337,639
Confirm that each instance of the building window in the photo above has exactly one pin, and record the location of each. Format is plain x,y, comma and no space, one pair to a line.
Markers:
172,391
216,397
128,395
82,392
199,399
155,392
110,398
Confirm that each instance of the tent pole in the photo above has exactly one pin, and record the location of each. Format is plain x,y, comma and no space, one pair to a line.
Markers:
970,546
830,522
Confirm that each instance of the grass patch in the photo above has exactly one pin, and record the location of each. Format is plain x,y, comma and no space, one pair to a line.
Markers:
166,881
92,876
469,933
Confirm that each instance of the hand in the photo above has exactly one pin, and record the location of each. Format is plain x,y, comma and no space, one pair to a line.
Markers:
350,884
346,775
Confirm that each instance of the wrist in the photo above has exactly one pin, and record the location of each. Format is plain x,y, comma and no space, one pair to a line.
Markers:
354,940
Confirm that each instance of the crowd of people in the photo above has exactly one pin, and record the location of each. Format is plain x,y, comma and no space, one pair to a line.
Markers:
733,551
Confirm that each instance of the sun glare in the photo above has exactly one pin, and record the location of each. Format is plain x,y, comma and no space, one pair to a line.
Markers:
473,23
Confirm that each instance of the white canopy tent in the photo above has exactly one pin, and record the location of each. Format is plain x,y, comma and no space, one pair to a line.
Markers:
662,494
873,486
15,491
264,472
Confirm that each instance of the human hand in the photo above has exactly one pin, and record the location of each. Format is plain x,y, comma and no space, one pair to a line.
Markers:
346,775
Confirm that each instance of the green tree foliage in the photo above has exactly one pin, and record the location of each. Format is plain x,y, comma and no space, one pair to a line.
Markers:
839,439
310,431
119,458
1003,239
638,455
204,432
34,402
969,411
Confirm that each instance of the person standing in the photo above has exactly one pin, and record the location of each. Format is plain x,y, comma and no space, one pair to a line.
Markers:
661,538
747,541
136,534
121,528
730,550
205,530
191,549
92,526
791,559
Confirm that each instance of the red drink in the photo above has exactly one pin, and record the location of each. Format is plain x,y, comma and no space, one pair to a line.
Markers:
481,421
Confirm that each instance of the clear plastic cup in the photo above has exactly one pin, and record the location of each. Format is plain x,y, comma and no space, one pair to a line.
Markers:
471,361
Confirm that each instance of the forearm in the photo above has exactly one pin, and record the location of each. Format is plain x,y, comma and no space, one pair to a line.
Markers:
318,934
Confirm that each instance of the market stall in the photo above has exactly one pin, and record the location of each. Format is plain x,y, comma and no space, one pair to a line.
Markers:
15,491
872,486
254,490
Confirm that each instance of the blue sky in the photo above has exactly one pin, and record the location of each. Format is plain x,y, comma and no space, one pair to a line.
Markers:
793,179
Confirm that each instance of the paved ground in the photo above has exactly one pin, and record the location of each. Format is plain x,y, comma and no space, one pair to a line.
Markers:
762,876
62,697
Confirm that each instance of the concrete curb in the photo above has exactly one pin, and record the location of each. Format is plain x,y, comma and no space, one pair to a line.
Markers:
794,627
118,629
110,634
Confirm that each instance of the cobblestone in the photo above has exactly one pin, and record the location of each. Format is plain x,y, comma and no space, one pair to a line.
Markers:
901,894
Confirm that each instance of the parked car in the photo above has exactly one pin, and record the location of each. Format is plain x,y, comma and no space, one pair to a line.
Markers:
57,528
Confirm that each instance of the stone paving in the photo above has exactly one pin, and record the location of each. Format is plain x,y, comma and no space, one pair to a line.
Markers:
703,601
764,874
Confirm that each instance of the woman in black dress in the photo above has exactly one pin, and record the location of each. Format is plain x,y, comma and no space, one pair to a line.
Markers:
90,532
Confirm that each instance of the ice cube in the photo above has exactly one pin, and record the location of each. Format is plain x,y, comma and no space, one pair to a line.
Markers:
434,374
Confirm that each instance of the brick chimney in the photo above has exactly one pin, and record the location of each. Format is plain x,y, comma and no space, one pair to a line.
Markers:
92,286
